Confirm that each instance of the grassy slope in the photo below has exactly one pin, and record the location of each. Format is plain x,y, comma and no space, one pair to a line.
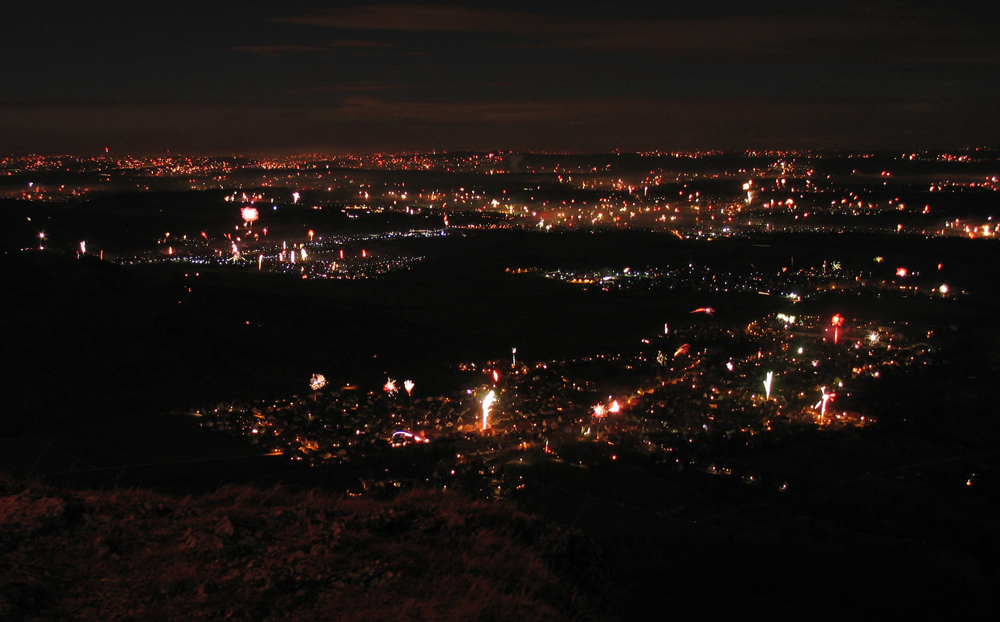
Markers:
247,554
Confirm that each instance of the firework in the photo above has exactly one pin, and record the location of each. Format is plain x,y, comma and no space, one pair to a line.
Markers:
615,407
295,197
83,251
496,376
415,437
487,403
250,215
826,397
767,384
600,410
311,234
684,349
390,387
705,310
408,385
317,382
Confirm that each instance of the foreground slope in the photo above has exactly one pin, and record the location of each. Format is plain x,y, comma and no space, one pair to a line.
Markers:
246,554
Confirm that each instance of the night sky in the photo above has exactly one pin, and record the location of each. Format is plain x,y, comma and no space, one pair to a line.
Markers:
300,76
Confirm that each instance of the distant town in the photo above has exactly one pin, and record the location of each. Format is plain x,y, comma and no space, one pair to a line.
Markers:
671,396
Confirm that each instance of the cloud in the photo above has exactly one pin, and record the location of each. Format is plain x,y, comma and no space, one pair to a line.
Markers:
866,32
278,50
355,88
357,43
572,124
434,19
274,50
603,123
460,113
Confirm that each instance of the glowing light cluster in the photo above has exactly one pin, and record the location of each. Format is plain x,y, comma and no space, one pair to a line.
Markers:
487,404
250,215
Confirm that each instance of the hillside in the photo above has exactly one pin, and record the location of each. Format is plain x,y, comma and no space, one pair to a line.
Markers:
247,554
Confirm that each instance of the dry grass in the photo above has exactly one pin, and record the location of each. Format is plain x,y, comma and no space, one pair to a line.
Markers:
248,554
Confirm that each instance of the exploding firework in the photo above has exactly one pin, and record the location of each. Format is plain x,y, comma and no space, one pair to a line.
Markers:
821,404
390,387
408,435
487,404
295,197
250,215
767,384
408,385
317,382
615,407
600,410
684,349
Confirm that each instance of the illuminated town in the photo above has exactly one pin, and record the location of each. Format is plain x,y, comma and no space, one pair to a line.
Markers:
562,332
667,407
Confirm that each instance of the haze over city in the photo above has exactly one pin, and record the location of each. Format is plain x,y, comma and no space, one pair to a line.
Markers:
298,76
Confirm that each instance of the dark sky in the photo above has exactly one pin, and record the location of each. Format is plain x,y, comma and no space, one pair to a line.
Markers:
297,76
